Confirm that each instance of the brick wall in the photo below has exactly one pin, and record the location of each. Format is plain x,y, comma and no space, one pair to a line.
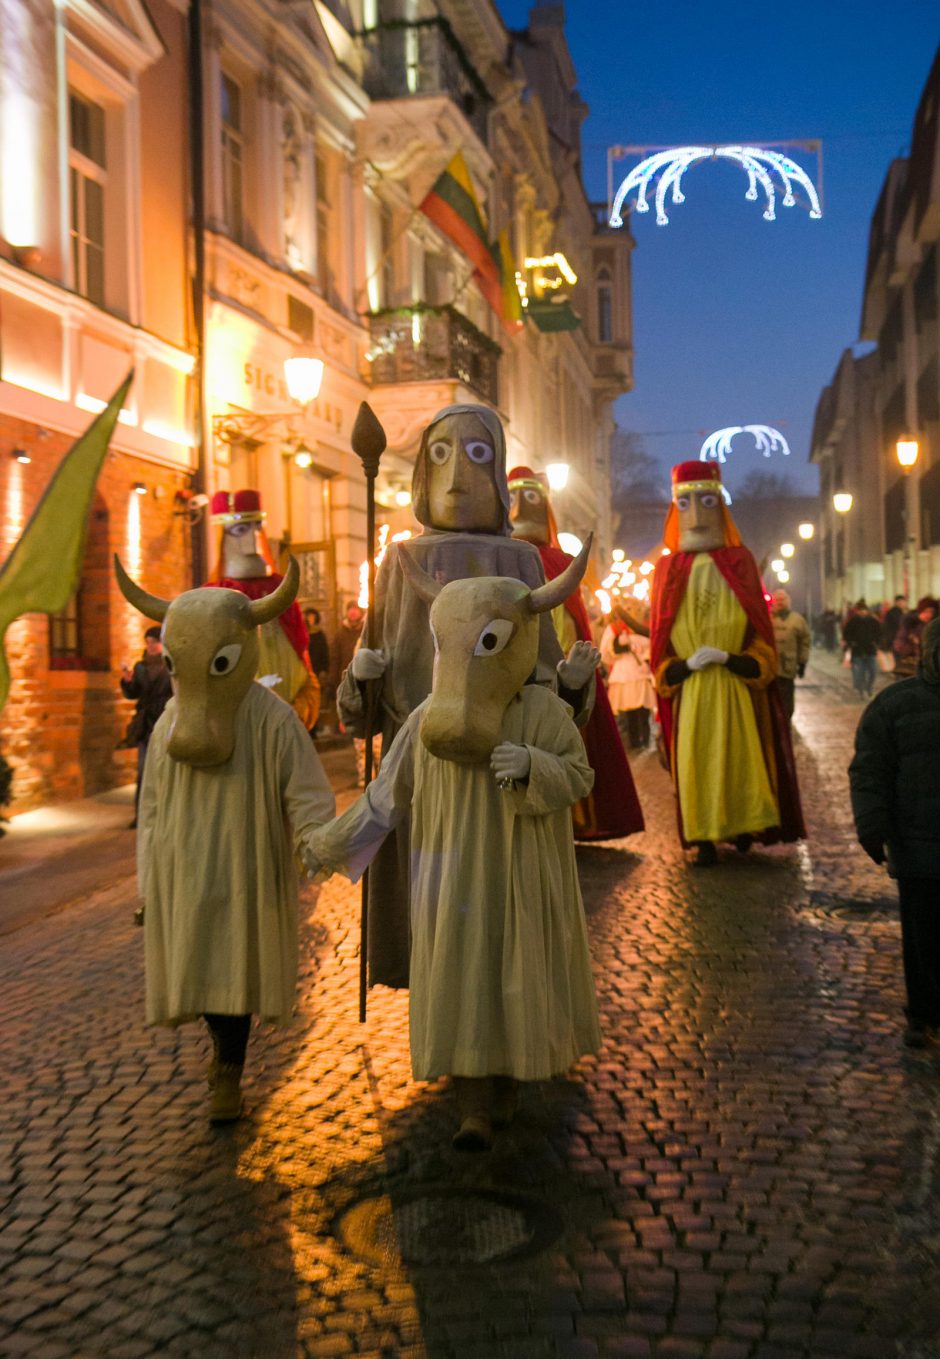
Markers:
60,727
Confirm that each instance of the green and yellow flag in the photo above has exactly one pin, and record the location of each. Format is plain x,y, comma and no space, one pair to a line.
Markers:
42,571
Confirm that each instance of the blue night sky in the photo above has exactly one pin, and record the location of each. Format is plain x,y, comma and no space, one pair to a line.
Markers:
736,320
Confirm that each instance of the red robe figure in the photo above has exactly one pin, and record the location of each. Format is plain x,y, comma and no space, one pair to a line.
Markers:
245,563
714,660
612,809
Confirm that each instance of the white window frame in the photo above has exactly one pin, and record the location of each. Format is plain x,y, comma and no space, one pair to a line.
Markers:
90,76
84,170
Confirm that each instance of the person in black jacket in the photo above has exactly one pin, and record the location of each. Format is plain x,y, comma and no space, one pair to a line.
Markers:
895,784
149,683
861,636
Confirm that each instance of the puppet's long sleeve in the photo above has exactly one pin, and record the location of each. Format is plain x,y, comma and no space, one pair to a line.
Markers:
350,843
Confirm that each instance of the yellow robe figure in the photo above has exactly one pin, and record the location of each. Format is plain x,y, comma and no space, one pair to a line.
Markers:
721,773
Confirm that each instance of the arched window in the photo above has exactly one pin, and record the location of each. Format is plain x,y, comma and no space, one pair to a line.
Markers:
605,306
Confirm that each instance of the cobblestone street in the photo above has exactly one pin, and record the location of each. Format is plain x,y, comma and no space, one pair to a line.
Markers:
748,1170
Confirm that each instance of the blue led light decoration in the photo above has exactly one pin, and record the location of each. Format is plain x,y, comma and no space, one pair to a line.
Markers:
768,172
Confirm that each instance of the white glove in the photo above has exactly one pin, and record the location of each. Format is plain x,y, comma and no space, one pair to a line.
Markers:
510,763
706,655
579,665
367,664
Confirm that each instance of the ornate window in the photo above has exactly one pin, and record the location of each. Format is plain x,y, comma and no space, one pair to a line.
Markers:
233,156
605,306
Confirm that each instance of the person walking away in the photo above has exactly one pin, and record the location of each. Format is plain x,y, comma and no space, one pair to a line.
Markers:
792,635
626,657
149,683
861,635
829,625
892,622
907,639
894,779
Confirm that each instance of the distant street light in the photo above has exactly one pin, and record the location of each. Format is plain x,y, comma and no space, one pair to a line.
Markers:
787,549
557,473
907,448
842,502
783,577
778,564
806,531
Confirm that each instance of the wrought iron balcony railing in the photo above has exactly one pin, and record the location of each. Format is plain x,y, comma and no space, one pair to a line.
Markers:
404,59
426,344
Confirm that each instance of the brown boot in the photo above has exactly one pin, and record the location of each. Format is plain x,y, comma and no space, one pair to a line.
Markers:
474,1099
225,1103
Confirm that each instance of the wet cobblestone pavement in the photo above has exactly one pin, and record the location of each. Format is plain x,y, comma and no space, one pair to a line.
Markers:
748,1170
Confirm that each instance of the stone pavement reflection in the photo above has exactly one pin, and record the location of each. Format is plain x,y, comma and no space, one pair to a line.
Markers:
748,1170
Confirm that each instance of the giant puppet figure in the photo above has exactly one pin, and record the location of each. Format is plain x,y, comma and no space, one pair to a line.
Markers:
612,809
460,497
714,661
485,771
245,564
232,791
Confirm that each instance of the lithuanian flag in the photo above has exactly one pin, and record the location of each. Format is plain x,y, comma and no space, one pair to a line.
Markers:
452,205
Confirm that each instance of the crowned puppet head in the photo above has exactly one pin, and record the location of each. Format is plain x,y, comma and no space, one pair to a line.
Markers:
244,553
530,508
698,519
460,473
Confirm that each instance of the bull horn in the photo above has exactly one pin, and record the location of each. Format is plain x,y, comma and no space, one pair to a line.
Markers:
264,609
151,606
424,586
556,591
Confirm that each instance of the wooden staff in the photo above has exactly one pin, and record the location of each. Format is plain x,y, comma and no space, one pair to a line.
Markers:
368,442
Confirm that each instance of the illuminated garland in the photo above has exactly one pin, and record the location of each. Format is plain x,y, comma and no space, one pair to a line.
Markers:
759,164
718,445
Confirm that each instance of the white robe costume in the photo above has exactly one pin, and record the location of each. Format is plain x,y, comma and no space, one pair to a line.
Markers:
217,869
501,978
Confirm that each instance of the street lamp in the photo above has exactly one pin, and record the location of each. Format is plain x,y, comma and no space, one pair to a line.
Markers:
557,473
787,549
783,577
907,447
842,502
777,564
806,531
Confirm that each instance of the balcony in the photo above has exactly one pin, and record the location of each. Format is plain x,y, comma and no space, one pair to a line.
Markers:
402,60
430,344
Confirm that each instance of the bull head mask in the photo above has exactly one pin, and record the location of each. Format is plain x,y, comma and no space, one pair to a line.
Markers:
486,643
210,645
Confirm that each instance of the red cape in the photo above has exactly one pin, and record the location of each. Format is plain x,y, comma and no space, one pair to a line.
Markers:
612,808
291,620
739,569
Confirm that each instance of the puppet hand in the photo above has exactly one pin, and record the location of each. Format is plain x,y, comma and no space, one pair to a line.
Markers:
579,665
706,655
367,664
510,762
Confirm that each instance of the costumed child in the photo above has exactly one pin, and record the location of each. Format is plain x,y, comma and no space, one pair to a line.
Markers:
233,790
488,767
626,655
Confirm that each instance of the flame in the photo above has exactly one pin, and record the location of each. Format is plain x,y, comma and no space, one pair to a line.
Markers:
382,545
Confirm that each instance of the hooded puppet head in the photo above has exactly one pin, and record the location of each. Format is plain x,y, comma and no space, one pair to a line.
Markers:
460,473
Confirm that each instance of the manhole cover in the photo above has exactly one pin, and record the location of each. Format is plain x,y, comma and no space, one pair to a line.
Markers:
447,1227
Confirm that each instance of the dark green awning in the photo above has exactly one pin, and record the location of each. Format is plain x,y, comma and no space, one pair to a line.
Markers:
552,316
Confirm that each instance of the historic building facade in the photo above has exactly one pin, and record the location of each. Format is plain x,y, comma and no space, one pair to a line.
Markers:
290,225
888,542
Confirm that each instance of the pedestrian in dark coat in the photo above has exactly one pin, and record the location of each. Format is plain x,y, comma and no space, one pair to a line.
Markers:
895,783
861,635
149,683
